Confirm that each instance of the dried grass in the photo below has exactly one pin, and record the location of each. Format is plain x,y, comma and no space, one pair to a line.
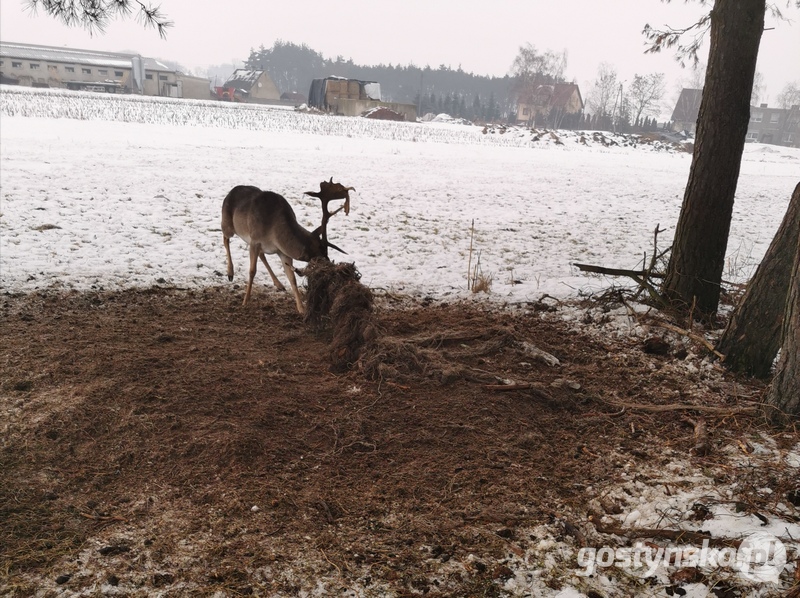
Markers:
337,299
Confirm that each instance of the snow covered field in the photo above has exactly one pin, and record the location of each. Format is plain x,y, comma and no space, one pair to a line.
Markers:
114,192
99,194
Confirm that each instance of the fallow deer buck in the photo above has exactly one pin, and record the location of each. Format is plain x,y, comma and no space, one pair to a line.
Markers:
266,222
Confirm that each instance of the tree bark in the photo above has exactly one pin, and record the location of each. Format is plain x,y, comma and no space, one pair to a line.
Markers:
753,335
783,400
694,273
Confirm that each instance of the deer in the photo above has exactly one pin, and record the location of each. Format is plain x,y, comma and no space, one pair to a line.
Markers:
267,223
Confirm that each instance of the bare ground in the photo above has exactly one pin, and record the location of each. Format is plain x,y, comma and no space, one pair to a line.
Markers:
175,442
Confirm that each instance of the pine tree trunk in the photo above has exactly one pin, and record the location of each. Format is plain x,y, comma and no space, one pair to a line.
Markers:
694,273
783,399
753,335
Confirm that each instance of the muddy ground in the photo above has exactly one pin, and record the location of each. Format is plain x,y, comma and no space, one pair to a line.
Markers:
175,442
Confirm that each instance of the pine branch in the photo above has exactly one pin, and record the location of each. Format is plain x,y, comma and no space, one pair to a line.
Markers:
94,15
668,38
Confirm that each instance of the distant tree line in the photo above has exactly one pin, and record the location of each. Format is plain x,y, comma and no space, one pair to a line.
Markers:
474,97
292,67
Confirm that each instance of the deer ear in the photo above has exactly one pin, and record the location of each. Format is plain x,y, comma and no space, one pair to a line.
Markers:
311,193
332,246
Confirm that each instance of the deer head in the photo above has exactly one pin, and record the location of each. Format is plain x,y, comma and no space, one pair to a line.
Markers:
329,191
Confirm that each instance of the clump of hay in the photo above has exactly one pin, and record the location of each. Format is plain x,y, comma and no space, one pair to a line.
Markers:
393,358
337,299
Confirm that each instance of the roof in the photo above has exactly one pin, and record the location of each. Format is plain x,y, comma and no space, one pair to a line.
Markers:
688,105
243,79
11,50
557,95
563,92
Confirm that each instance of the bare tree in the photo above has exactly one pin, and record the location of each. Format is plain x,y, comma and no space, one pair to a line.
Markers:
601,97
94,15
644,94
532,69
696,76
758,89
789,95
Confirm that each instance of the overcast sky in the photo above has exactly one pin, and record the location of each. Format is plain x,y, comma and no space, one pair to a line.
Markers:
482,37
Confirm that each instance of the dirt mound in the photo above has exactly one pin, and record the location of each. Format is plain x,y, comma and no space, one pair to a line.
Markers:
158,440
383,113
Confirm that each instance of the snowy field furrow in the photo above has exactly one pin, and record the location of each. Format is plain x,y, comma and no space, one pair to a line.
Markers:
111,191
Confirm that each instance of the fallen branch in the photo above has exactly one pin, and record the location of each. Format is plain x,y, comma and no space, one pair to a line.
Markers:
676,535
691,335
722,411
617,271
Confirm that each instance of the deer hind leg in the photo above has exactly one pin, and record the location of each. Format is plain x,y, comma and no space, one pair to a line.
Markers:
255,249
227,242
278,284
289,269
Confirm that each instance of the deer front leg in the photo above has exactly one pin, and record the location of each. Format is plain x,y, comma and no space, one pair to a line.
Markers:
227,242
275,281
255,249
289,269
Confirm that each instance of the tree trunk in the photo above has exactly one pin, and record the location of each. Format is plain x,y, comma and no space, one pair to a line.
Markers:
753,335
694,273
783,400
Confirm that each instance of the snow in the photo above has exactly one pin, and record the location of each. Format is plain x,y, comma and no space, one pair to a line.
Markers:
112,192
92,202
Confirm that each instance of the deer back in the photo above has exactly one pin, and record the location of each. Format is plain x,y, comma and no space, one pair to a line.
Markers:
266,218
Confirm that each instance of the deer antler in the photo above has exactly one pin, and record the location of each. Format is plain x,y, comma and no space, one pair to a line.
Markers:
329,191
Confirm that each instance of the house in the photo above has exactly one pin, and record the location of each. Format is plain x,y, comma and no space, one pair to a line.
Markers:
684,116
352,97
253,86
548,105
48,66
777,126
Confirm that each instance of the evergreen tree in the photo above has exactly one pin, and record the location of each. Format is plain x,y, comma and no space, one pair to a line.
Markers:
292,67
476,107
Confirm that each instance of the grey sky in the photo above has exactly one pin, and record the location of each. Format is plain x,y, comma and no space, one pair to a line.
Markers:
482,37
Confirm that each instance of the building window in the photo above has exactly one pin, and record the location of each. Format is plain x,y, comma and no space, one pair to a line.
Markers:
86,71
52,68
149,77
103,71
118,73
788,138
16,65
34,66
752,136
774,118
162,77
69,69
757,117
